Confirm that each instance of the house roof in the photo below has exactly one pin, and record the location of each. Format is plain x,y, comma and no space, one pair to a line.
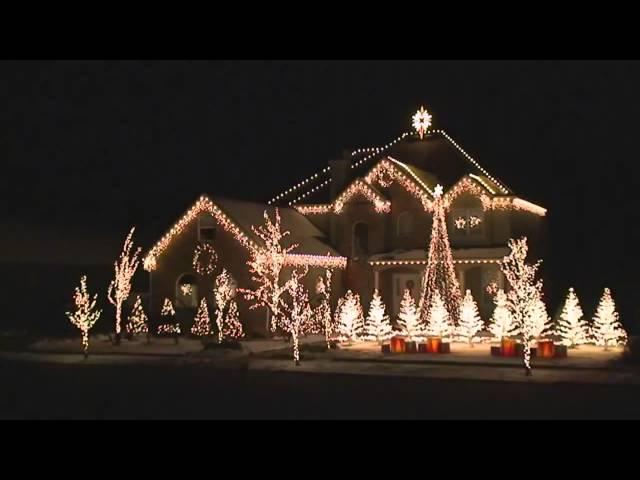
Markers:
237,217
437,158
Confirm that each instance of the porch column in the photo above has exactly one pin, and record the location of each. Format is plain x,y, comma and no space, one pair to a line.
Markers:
461,279
376,279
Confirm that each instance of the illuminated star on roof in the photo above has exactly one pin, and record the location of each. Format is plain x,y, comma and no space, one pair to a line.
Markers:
421,121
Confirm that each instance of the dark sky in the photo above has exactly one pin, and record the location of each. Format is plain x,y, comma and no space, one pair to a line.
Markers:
109,144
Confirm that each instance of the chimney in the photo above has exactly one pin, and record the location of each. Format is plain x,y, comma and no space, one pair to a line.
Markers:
340,173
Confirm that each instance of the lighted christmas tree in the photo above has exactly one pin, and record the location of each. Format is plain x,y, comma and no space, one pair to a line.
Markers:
350,318
607,329
85,315
524,295
409,318
120,286
202,324
502,324
232,328
438,323
377,326
571,327
137,319
440,274
470,321
541,323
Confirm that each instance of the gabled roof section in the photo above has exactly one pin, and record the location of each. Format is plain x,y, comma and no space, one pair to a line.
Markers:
362,188
236,217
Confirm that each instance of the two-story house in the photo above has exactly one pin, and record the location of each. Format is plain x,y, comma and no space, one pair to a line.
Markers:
367,216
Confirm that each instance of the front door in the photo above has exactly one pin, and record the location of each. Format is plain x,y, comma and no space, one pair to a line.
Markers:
401,281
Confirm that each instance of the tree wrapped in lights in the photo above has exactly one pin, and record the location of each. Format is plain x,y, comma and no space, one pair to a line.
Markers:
350,318
137,322
298,312
167,309
377,325
470,321
440,274
607,329
224,291
571,327
525,294
120,286
409,318
502,324
232,327
322,312
202,323
265,265
439,323
85,315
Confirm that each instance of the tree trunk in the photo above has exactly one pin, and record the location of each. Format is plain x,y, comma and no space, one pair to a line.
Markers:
296,350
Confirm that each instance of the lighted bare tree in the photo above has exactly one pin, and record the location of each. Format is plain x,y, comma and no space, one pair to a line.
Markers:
265,265
120,287
85,314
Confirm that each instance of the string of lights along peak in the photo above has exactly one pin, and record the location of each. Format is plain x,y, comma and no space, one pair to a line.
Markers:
205,205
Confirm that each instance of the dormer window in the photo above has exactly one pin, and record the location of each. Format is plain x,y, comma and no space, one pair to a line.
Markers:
206,229
404,225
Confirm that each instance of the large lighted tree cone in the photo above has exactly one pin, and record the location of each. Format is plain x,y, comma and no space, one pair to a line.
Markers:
502,324
438,323
440,275
350,318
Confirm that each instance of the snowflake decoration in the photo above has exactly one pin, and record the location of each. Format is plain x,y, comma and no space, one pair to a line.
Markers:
460,223
186,289
421,122
474,221
437,192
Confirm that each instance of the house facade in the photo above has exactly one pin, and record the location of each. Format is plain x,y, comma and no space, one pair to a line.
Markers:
367,216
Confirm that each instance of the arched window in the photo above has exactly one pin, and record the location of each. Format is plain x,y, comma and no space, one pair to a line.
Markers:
404,226
187,291
360,240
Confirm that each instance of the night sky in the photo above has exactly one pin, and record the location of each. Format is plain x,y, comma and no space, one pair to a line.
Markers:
104,145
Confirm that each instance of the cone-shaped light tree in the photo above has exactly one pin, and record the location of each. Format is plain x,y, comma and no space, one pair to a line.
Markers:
265,266
571,327
440,274
377,326
470,321
439,323
137,319
120,286
85,315
502,324
350,318
202,323
169,326
232,327
524,295
409,318
607,329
